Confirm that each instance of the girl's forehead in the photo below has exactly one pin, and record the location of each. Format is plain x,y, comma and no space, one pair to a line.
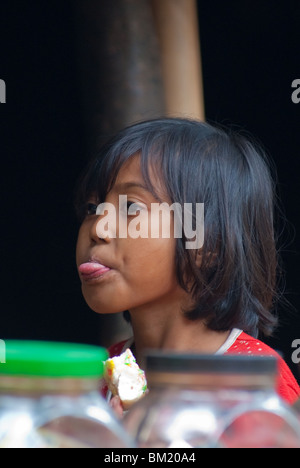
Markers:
130,170
149,177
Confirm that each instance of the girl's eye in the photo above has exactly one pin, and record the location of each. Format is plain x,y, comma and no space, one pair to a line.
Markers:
91,209
134,208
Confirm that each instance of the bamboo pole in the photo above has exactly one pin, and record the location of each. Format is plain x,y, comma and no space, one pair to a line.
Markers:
119,61
178,32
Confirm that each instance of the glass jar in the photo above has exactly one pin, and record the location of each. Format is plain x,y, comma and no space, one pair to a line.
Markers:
49,398
212,401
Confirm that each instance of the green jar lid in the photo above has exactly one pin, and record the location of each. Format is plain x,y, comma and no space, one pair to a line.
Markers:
52,359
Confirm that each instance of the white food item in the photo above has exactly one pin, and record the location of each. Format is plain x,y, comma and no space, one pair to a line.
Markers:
125,379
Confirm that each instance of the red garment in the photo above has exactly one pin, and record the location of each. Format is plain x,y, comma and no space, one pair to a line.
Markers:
287,386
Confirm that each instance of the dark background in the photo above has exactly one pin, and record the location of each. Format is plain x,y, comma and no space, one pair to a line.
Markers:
250,54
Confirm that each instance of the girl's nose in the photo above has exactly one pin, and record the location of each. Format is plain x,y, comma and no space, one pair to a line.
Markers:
93,230
102,229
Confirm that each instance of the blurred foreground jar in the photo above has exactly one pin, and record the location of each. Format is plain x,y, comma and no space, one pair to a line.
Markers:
49,398
212,401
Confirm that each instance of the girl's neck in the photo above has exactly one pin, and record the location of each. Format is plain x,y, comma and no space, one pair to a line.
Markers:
168,328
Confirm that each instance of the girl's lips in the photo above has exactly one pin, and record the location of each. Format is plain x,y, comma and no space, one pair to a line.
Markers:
92,270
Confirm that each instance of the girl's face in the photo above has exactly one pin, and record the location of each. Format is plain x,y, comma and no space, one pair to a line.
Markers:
125,273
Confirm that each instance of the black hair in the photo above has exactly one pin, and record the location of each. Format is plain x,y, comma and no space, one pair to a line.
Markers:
235,286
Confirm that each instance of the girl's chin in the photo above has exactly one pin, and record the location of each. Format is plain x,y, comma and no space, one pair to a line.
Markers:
101,309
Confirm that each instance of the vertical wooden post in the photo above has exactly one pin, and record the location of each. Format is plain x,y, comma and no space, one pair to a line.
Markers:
178,31
119,60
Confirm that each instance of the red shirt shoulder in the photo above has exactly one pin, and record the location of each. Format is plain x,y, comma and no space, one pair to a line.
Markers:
287,386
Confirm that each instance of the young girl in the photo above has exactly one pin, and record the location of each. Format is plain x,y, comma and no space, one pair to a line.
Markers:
215,298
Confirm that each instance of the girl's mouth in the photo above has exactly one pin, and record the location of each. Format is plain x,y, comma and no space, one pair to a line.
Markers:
92,270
